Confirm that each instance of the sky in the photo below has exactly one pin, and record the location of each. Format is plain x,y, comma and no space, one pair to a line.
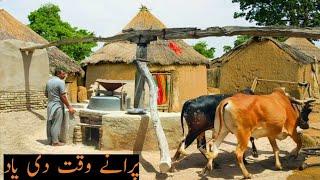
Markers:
107,17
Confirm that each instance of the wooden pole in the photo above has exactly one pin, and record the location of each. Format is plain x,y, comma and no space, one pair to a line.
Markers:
139,90
139,78
316,66
165,159
116,38
278,81
191,33
254,84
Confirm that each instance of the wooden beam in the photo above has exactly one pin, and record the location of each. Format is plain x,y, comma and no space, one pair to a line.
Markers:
145,36
280,81
141,54
189,33
112,39
165,159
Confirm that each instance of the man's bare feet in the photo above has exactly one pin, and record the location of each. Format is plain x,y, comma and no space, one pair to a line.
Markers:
58,144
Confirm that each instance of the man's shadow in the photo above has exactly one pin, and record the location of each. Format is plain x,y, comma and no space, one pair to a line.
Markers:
43,141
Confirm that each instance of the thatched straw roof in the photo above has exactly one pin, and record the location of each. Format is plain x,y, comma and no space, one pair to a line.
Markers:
5,35
305,46
144,20
297,55
11,28
159,52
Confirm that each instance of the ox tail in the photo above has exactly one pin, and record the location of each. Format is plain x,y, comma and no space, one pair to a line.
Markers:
185,105
219,113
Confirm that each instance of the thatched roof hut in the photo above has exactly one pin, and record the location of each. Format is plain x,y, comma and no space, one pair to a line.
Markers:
305,46
264,58
11,28
298,56
175,57
159,52
308,48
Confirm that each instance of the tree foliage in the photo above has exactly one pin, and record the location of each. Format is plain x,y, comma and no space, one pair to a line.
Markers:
241,39
226,48
202,48
300,13
47,22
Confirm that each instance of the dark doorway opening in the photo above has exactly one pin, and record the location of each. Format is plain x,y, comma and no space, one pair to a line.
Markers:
91,136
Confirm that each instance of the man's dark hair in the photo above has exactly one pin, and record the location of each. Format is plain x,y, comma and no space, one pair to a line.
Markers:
58,70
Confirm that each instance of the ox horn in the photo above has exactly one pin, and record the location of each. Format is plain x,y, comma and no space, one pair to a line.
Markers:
310,100
301,102
295,101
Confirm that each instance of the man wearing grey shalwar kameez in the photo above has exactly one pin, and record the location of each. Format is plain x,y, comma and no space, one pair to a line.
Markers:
55,92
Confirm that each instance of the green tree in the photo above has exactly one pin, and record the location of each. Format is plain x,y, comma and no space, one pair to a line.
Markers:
47,22
244,38
226,48
300,13
241,39
202,48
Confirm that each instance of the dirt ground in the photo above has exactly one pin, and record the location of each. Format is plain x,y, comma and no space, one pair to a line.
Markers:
25,132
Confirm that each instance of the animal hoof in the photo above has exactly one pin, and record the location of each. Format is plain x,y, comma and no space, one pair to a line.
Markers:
209,167
203,172
279,167
255,154
293,157
303,166
248,176
216,166
245,161
172,169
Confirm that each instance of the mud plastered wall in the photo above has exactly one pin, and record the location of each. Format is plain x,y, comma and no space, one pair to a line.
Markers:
263,60
23,76
189,81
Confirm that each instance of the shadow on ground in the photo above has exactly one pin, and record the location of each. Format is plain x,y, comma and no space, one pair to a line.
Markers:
228,167
150,168
43,141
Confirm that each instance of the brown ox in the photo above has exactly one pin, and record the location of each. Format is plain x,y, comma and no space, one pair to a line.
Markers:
272,116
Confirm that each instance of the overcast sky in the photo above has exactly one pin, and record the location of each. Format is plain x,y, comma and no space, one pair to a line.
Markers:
108,17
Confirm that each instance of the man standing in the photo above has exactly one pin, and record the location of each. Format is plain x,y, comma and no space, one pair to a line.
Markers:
55,92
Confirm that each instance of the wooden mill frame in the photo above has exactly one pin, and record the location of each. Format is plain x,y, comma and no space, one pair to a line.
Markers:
143,38
305,85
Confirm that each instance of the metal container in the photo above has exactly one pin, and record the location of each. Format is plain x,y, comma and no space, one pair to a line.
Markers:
105,103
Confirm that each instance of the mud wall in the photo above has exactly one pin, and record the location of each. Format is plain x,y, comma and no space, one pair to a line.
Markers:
23,77
213,75
189,81
22,71
263,60
112,72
